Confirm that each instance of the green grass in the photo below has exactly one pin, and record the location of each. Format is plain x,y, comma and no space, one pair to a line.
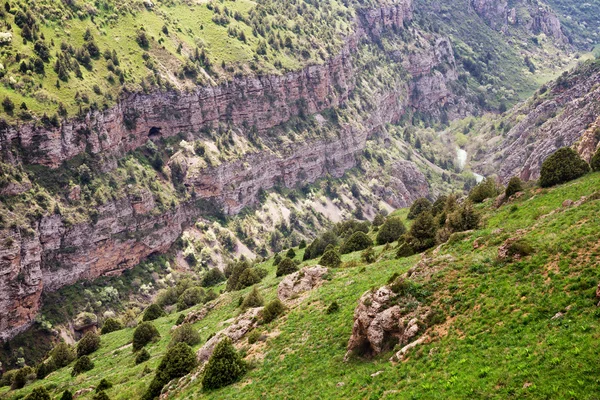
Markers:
498,341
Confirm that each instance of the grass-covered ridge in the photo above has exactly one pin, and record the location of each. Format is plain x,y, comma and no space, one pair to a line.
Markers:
498,340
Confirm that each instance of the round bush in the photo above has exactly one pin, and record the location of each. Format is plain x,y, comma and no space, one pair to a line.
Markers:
185,334
253,299
89,343
67,395
368,255
419,206
562,166
103,385
595,162
515,185
190,298
180,319
39,393
101,395
358,241
212,277
20,377
331,258
82,365
485,190
390,231
422,232
286,267
290,254
272,310
224,367
62,355
142,356
111,325
405,250
179,361
253,336
333,307
144,334
152,312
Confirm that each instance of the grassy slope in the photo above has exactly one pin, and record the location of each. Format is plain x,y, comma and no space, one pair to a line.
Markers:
500,340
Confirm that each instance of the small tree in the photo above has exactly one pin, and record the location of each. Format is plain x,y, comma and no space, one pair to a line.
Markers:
142,356
464,219
272,310
422,232
419,206
8,105
111,325
190,298
185,334
595,163
224,367
358,241
368,255
152,312
390,231
378,220
103,385
179,361
483,191
290,254
89,343
562,166
144,334
62,355
67,395
515,185
39,393
82,365
253,299
331,258
212,277
286,267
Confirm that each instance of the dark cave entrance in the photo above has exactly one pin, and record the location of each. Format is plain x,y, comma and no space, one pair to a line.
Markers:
154,132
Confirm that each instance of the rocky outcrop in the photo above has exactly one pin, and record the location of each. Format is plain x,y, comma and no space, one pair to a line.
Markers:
299,282
534,16
565,115
381,322
240,327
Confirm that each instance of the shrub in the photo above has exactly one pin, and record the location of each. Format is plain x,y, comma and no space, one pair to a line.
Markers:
595,162
464,219
562,166
19,378
101,395
358,241
485,190
103,385
152,312
422,232
368,255
8,105
62,355
333,307
44,368
190,298
242,275
390,231
39,393
89,343
82,364
419,206
520,248
111,325
180,319
331,258
404,250
144,334
286,267
439,205
185,334
253,299
515,185
302,244
67,395
253,336
272,310
224,367
142,356
212,277
378,220
318,246
291,254
249,277
179,361
277,259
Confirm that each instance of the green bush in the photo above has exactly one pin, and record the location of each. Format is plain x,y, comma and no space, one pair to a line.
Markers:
291,254
180,319
111,325
286,267
277,259
404,250
101,395
19,379
185,334
419,206
142,356
89,343
318,246
62,355
67,395
485,190
253,336
212,277
390,231
39,393
358,241
224,367
82,365
189,298
595,162
422,232
249,277
368,255
520,248
331,258
179,361
515,185
439,205
378,220
253,299
152,312
272,310
144,334
103,385
333,307
562,166
463,219
242,275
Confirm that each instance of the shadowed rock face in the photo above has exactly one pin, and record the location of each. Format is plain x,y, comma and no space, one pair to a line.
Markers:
129,230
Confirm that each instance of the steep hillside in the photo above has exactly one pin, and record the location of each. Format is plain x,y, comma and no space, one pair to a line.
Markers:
507,324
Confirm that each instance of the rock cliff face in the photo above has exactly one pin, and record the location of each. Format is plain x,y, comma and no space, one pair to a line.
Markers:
534,16
565,115
127,230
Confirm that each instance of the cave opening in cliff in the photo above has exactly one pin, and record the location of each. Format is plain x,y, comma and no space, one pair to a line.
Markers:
154,132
